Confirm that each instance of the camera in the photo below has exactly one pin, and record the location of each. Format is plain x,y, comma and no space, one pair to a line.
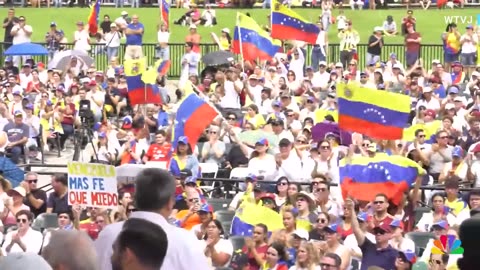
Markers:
85,112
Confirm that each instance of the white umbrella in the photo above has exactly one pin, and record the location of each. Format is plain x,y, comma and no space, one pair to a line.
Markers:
62,59
128,172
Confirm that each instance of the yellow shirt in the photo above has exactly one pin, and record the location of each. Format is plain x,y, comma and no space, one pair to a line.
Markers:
457,206
257,121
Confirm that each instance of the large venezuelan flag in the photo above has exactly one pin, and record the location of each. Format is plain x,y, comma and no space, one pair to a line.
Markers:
364,177
193,116
250,40
287,24
377,114
250,213
140,92
93,18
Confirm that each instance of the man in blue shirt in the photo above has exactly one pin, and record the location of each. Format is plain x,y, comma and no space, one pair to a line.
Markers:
134,33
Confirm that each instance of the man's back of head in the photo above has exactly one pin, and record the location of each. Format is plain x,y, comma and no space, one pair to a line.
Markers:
140,245
155,190
70,250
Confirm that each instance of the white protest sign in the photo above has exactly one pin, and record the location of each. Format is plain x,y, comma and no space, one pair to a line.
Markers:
93,185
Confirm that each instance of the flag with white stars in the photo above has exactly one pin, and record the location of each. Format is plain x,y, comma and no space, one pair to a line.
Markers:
252,42
287,24
364,177
376,114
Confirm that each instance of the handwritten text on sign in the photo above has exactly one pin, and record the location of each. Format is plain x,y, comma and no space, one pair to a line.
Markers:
92,185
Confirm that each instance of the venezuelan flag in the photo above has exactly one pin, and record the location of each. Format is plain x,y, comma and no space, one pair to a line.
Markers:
134,67
458,78
165,11
162,66
250,213
430,130
287,24
140,92
250,40
377,114
93,18
193,116
451,44
364,177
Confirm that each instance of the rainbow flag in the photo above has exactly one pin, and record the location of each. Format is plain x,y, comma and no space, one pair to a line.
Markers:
374,113
364,177
250,40
193,116
287,24
165,7
93,18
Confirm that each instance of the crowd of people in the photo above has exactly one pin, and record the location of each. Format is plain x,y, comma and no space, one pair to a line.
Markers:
168,220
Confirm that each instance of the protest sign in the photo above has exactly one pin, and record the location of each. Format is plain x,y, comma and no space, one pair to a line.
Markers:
92,185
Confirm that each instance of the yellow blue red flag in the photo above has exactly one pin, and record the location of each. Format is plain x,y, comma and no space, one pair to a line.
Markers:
377,114
364,177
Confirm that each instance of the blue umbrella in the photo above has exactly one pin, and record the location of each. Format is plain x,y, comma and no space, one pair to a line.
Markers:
11,171
26,49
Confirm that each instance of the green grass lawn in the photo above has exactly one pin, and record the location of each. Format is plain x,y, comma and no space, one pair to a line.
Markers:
430,23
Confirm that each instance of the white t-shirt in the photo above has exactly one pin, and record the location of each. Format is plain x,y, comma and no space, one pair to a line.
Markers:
82,40
112,39
163,37
265,167
469,43
405,244
32,240
21,36
231,99
222,246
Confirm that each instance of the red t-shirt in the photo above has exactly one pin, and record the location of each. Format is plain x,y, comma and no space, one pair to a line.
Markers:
159,152
412,46
252,263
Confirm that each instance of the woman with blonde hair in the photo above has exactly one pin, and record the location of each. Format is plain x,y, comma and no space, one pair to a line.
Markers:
307,258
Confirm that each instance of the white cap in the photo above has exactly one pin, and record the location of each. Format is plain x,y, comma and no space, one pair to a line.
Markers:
397,66
303,234
377,29
449,106
20,190
427,89
124,13
436,61
113,25
226,30
322,63
193,26
339,64
458,98
24,260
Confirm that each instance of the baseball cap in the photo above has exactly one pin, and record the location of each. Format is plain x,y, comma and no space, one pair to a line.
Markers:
453,89
383,226
205,208
397,66
408,256
29,106
322,63
397,223
127,122
18,113
191,180
49,103
97,126
332,228
52,24
92,83
393,55
193,26
113,25
17,93
253,77
262,141
301,233
457,152
267,196
309,68
239,260
442,224
124,13
251,177
182,139
431,113
24,260
449,106
339,65
277,103
79,23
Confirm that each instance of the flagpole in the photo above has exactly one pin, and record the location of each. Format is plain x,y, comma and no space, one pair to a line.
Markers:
240,41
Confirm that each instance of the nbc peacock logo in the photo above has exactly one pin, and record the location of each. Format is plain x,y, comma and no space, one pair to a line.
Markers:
447,244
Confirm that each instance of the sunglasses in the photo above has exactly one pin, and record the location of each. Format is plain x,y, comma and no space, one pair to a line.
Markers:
21,220
421,136
32,181
352,65
378,202
321,220
231,118
326,147
282,184
194,200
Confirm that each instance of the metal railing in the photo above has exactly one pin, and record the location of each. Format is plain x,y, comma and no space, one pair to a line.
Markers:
427,53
